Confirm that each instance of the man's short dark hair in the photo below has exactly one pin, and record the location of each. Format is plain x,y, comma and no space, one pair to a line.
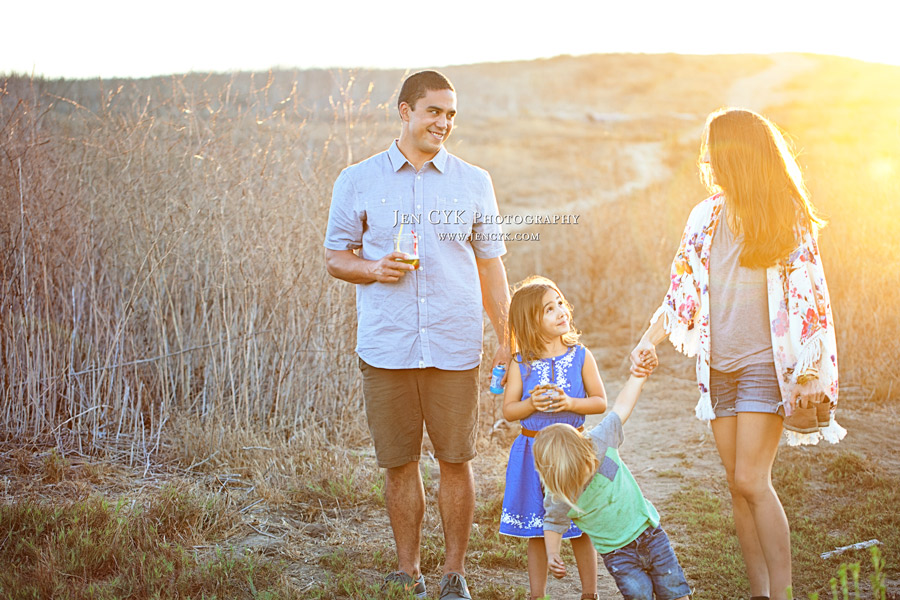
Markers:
419,84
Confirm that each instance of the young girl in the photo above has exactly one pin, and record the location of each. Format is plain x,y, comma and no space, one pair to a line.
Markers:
555,380
585,479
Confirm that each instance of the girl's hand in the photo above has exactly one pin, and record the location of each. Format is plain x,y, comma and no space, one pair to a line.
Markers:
543,396
561,401
556,566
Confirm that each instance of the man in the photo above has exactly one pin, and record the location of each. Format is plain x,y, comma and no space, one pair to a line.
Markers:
419,332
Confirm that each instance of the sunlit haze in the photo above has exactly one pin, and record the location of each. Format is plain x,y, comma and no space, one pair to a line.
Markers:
137,39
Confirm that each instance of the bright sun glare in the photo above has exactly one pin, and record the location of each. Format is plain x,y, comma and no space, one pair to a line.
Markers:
102,38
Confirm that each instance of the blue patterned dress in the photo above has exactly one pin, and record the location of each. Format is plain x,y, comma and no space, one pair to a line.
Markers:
523,499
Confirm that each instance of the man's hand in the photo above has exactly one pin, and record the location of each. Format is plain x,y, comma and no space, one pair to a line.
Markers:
556,566
389,269
502,357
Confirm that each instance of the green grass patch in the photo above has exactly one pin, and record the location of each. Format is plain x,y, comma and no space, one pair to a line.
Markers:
496,591
101,550
346,578
846,498
671,473
349,584
707,546
832,499
489,549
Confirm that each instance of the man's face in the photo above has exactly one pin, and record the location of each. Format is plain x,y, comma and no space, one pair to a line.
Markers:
429,122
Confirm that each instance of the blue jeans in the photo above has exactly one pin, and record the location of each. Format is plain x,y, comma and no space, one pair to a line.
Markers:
647,567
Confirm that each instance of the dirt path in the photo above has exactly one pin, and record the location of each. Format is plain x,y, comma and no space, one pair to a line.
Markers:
766,88
646,161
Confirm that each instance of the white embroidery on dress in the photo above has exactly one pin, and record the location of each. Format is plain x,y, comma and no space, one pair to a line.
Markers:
532,521
561,369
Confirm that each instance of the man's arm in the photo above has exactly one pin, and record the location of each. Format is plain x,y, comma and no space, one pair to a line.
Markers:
346,265
495,297
344,233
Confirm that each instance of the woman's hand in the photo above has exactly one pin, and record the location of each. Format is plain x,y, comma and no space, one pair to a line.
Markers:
808,395
643,358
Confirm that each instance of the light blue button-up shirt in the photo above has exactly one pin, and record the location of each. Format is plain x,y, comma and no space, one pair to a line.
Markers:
432,317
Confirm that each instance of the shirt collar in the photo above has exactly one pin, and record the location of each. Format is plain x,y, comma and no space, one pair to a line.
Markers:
440,159
398,160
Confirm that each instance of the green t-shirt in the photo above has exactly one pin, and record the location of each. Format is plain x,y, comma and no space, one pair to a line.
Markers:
615,511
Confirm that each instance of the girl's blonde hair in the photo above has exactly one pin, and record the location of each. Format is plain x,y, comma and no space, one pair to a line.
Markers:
750,161
525,313
565,461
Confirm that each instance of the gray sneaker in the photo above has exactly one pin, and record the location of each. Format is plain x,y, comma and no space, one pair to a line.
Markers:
413,586
453,587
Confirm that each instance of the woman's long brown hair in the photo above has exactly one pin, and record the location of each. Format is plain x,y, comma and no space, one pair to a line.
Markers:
750,161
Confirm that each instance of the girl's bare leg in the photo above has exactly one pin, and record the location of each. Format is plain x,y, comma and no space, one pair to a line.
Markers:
586,559
537,567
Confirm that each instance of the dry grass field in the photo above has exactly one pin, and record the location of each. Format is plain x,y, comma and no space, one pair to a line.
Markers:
180,410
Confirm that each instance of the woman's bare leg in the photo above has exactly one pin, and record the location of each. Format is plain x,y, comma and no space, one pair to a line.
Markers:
747,445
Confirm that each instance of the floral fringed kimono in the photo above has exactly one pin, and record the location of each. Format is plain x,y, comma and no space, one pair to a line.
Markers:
803,340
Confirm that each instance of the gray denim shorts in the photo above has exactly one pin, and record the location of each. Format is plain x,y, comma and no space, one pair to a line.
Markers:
753,388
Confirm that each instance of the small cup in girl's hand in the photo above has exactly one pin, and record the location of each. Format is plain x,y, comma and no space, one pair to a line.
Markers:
545,395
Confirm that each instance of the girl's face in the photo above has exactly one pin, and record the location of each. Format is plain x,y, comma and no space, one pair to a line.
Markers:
554,315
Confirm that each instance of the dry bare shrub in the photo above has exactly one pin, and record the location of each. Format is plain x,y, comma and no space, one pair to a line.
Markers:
163,261
849,136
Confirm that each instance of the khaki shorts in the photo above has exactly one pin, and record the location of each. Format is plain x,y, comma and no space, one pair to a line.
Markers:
398,401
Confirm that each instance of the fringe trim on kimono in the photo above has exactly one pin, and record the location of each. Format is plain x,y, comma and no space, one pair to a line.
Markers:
810,353
834,433
686,341
704,410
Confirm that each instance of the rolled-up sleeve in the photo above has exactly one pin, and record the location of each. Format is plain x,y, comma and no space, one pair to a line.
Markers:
487,241
608,432
345,217
556,515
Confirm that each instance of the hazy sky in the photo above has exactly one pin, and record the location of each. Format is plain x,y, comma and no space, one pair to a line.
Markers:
95,38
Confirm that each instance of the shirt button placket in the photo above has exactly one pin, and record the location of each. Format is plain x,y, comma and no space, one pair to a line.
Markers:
421,282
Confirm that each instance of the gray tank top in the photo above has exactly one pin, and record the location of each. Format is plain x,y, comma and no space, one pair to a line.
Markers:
739,330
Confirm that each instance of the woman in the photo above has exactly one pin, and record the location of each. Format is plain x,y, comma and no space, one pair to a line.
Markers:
748,298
